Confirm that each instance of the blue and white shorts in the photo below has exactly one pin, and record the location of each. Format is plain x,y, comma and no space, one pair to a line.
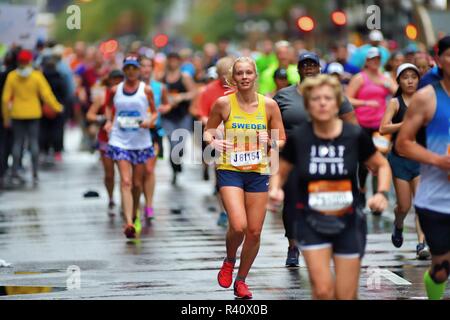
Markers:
132,156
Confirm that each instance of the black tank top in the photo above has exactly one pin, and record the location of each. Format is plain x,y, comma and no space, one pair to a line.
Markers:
398,117
182,109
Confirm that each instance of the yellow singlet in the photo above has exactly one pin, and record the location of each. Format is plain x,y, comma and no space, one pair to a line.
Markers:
241,129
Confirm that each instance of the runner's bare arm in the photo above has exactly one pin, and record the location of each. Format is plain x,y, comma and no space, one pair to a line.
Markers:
420,112
150,123
109,109
190,87
277,181
380,166
275,123
219,112
387,126
92,113
165,104
352,90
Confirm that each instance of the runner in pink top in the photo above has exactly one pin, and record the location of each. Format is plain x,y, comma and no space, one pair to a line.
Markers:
368,92
368,115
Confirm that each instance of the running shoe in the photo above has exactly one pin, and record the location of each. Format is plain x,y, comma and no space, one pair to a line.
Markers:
111,208
225,276
223,219
292,257
397,237
422,251
58,157
241,290
149,212
137,224
130,231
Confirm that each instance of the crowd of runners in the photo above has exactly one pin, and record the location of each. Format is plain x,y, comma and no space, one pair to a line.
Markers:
285,129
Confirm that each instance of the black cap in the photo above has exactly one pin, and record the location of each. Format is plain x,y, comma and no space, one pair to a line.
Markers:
443,45
309,56
280,73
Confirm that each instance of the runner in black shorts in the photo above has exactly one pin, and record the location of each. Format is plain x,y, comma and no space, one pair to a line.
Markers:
294,114
326,153
406,172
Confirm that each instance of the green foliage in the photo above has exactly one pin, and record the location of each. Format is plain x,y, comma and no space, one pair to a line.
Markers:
101,19
213,19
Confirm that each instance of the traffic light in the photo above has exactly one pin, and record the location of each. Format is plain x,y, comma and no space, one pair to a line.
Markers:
306,23
109,47
160,40
411,31
339,18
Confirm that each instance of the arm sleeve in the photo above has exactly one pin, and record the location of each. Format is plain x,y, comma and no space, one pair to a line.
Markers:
289,152
366,146
47,95
345,107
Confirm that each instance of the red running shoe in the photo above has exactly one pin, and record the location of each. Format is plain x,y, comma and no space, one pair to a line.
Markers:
130,231
225,276
241,290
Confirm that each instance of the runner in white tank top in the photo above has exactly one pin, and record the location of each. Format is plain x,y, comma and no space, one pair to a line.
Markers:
130,145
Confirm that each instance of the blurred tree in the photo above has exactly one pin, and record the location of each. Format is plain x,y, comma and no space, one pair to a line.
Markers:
102,19
212,19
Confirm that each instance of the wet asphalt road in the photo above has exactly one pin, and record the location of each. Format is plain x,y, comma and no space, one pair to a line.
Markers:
47,230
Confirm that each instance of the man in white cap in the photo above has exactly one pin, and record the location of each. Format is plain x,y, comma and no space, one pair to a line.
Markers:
375,38
336,69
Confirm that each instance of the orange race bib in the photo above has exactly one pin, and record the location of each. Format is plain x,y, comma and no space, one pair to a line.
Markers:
382,142
330,197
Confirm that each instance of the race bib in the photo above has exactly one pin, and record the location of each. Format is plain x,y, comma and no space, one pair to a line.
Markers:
246,157
382,142
330,197
129,120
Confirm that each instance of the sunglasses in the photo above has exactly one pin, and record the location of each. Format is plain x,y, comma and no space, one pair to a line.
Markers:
308,64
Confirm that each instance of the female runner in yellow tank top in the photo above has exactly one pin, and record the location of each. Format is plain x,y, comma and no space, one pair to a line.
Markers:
243,168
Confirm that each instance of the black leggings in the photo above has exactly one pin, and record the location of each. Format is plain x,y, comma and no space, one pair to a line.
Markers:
51,134
6,144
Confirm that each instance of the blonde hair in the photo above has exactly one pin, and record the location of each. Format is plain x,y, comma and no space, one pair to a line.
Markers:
318,81
232,70
224,65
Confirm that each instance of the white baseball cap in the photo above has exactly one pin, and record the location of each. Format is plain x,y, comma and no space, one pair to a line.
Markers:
372,53
212,73
376,35
335,67
406,66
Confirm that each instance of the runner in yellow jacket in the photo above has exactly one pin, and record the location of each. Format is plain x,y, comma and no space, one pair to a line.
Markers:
23,92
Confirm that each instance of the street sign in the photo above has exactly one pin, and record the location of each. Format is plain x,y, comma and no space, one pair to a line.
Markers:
18,25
